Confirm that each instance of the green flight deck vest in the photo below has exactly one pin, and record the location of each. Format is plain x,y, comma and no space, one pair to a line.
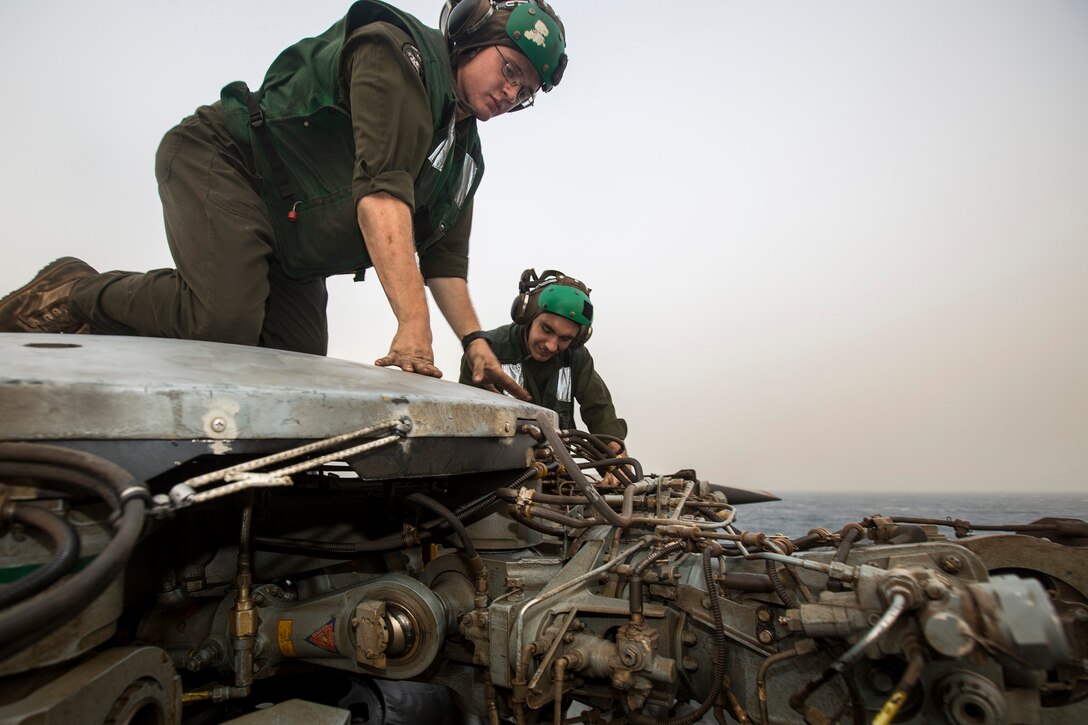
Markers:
304,147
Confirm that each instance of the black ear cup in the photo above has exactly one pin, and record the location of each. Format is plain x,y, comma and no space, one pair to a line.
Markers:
517,310
584,333
465,18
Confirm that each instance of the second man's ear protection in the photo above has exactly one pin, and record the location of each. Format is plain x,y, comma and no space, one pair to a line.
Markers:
562,295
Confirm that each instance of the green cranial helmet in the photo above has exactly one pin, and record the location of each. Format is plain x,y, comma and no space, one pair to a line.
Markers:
567,302
554,292
529,26
538,34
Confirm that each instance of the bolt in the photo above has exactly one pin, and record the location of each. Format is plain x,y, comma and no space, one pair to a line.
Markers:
766,637
1080,614
881,681
764,615
690,664
688,637
951,564
782,621
934,590
219,425
705,603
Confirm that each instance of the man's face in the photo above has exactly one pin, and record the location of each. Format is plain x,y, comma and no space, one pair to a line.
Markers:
484,86
550,335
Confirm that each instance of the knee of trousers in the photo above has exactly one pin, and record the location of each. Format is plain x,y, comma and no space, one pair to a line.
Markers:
237,328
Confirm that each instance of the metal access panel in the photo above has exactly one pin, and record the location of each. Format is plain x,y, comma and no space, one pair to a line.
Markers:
150,403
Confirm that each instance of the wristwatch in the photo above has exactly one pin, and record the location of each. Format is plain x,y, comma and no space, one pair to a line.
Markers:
473,337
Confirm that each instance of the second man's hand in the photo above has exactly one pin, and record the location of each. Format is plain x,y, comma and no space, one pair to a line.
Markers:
487,372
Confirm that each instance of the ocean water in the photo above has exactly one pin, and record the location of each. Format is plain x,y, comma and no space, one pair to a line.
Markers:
798,512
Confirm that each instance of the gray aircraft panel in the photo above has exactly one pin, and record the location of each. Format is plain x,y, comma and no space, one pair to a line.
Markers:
96,387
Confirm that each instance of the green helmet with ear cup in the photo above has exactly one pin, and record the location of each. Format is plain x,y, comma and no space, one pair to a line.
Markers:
554,292
568,302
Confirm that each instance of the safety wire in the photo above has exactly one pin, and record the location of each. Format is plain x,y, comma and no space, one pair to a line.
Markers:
243,476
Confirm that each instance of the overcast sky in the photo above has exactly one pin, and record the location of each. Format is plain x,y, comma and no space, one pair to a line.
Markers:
833,245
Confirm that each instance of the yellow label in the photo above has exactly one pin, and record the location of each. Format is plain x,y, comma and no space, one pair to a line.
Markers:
283,636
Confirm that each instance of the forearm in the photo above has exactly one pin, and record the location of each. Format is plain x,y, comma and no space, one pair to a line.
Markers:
386,224
451,296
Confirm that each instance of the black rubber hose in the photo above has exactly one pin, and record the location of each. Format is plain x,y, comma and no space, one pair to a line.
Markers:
434,507
472,508
98,468
591,444
65,546
563,519
559,449
391,542
473,559
807,541
62,479
634,586
850,534
718,675
22,624
779,588
557,531
600,455
848,538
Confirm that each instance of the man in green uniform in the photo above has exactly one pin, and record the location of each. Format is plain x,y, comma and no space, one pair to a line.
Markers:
544,350
359,150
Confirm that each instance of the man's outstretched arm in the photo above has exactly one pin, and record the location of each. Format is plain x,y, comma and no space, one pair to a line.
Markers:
451,295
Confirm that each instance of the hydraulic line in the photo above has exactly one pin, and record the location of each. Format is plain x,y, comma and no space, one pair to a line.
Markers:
718,675
570,583
243,623
559,449
65,545
476,565
906,682
634,586
62,479
390,542
779,588
557,531
803,647
886,621
622,520
21,624
850,534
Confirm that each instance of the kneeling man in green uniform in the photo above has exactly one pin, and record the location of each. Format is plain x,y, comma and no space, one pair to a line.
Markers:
544,351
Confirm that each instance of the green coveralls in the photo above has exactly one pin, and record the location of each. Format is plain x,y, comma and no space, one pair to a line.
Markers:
557,383
230,284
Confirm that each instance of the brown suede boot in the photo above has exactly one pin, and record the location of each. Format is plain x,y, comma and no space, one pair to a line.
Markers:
42,304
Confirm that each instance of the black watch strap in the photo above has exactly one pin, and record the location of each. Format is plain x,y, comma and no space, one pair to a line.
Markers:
473,337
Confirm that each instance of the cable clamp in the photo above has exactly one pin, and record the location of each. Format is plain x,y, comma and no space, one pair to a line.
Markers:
137,490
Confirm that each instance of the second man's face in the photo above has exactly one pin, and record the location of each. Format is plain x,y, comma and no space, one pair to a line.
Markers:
550,335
